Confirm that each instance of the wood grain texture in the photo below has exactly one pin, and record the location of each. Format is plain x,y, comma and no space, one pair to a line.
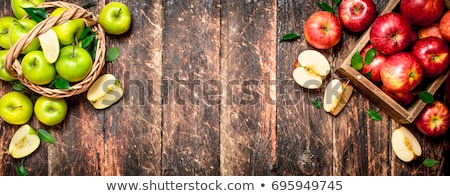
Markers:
191,122
248,50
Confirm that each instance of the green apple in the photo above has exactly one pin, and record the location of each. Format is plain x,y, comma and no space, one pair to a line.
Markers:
5,23
17,6
70,31
16,108
115,18
36,69
74,63
3,74
24,142
20,28
50,111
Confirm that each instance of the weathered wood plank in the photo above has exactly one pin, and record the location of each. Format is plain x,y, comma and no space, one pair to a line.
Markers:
248,65
191,69
133,126
361,145
298,121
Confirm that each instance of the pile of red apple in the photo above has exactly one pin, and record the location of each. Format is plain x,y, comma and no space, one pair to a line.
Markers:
409,47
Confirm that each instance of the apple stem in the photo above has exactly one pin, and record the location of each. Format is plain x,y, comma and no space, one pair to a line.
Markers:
118,12
73,50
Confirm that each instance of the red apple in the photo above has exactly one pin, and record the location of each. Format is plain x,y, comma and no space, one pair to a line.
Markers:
372,70
401,72
430,30
434,55
422,12
434,120
357,15
322,30
444,26
390,33
404,99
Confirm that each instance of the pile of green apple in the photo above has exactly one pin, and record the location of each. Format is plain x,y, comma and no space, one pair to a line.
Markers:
58,53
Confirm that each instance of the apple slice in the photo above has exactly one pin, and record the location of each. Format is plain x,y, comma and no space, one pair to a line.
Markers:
50,45
105,91
24,142
405,145
337,93
311,70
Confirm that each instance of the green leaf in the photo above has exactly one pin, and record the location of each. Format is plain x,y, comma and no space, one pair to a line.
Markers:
317,103
289,37
18,86
370,55
374,115
36,14
357,61
368,75
45,136
325,7
89,5
85,43
61,83
426,97
85,32
93,49
336,2
21,170
430,162
112,54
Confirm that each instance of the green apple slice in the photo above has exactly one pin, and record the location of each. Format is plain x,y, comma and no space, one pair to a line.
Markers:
337,94
105,91
24,142
50,45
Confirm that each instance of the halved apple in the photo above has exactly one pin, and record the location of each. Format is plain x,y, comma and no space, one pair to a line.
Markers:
337,93
50,45
24,142
311,69
405,145
105,91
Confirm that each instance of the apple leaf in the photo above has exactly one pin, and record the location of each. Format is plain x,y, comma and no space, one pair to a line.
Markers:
430,162
357,61
21,170
18,86
336,2
61,83
317,103
86,42
87,31
46,136
368,75
325,7
426,97
89,5
112,54
370,55
289,37
374,115
36,14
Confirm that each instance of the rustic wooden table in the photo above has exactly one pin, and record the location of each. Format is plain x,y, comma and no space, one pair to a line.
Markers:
208,91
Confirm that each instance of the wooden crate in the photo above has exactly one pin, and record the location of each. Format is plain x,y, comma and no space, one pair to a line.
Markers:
372,92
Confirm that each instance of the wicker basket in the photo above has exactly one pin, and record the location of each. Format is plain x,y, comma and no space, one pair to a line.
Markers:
12,64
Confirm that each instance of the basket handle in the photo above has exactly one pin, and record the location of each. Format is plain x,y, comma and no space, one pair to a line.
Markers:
12,65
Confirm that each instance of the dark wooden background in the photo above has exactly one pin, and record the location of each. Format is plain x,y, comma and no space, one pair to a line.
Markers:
208,91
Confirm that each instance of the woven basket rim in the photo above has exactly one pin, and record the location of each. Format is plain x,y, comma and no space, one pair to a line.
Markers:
13,66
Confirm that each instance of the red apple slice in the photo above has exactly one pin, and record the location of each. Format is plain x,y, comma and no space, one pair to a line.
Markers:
311,70
405,145
337,93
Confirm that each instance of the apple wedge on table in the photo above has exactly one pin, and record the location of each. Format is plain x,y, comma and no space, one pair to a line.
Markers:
311,68
105,91
337,94
405,145
24,142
